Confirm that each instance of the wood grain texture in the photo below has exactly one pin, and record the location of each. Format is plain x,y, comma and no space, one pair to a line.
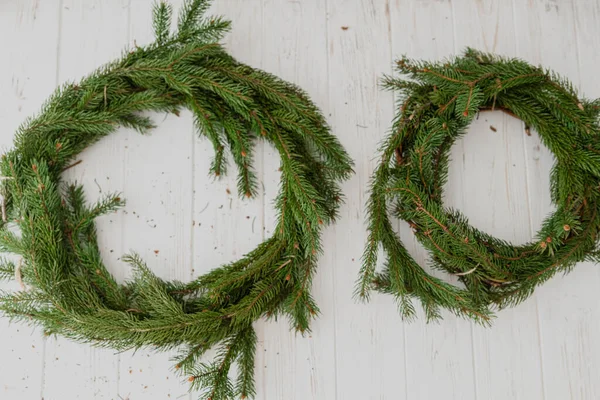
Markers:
24,85
184,223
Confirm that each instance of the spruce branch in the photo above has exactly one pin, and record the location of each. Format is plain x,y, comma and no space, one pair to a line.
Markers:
71,292
437,103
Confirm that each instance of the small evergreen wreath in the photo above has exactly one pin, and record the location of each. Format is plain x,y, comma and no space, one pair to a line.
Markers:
437,104
48,225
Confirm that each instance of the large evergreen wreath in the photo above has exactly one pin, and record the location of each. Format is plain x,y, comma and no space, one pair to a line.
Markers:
49,226
437,103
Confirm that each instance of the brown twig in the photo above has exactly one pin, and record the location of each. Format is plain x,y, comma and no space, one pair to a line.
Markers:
19,275
71,166
3,207
499,108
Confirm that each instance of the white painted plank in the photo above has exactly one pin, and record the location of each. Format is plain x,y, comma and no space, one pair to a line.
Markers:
29,30
157,223
294,47
443,351
488,182
227,225
73,370
370,345
560,35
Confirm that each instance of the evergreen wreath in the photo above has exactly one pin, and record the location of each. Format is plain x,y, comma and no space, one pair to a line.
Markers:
438,101
49,226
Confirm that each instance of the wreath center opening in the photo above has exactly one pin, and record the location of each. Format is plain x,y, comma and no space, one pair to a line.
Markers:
505,162
180,219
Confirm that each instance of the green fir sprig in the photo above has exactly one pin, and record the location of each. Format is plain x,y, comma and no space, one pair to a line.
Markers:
437,102
49,226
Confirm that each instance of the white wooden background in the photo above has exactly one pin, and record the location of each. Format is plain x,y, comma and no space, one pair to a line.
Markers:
184,224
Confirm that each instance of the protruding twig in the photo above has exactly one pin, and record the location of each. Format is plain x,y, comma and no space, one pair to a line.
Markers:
71,165
18,275
497,108
467,272
3,208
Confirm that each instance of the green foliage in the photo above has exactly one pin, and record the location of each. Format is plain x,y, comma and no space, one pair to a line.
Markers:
69,290
437,103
